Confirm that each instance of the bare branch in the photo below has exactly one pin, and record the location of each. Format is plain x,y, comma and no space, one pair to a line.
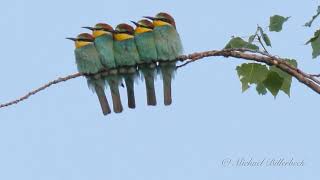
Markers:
60,79
240,53
315,75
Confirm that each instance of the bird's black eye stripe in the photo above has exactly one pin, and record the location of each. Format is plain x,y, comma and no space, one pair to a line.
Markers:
144,26
102,29
164,19
127,32
86,40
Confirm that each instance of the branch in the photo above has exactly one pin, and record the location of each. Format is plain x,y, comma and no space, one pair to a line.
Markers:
59,80
241,53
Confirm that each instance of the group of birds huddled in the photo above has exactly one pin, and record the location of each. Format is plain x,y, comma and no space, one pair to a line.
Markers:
152,46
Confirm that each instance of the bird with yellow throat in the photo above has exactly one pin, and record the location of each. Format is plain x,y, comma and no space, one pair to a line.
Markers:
169,48
88,62
103,34
145,42
127,57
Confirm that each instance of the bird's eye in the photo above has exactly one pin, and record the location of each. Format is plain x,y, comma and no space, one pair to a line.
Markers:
164,20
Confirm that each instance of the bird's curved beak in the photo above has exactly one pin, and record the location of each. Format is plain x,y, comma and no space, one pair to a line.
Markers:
135,23
72,39
149,17
90,28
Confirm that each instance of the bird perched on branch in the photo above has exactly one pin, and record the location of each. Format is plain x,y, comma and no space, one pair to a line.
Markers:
88,62
169,47
103,34
148,54
127,57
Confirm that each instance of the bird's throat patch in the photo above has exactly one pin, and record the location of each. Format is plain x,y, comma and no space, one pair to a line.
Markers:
140,30
80,44
160,23
97,33
123,36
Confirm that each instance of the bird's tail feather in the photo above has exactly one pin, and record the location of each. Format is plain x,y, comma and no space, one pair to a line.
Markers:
113,82
167,71
149,75
102,99
129,80
167,90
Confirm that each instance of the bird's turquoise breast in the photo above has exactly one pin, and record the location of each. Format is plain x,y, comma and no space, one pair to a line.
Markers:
126,53
168,43
87,59
146,47
104,45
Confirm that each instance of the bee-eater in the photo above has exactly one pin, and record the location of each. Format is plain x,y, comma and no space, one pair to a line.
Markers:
103,34
127,57
148,54
169,47
88,62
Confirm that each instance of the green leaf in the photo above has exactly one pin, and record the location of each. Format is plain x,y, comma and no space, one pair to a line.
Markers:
251,38
266,39
287,78
264,36
273,83
315,44
252,73
315,36
276,23
260,30
309,23
261,89
272,79
238,42
315,48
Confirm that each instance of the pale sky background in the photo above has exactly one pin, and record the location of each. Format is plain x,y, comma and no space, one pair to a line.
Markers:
61,134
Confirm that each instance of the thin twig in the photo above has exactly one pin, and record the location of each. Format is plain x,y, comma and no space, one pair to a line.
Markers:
60,79
260,42
314,75
184,64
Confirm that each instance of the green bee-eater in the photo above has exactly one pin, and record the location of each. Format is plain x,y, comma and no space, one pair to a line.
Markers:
88,62
148,54
127,57
169,47
103,34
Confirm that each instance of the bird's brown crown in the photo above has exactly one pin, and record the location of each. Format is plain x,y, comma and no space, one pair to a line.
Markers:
123,32
162,16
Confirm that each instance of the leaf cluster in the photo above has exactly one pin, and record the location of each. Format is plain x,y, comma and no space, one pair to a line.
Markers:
265,78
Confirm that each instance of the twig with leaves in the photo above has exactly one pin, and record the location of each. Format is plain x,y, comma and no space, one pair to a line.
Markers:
239,53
